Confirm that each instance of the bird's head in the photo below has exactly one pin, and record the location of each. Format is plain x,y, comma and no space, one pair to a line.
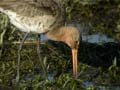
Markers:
71,37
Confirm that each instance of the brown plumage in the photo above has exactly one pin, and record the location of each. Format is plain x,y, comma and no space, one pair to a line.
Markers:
42,16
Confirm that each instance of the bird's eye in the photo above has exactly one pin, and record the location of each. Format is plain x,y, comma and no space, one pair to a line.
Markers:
77,42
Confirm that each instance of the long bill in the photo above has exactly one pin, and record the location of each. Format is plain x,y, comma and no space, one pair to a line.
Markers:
74,58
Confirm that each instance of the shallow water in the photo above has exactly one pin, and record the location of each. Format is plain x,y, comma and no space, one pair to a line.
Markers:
90,85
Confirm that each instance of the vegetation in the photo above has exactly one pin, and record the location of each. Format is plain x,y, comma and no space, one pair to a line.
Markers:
99,65
57,60
95,15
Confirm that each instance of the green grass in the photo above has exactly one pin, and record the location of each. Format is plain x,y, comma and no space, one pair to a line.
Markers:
58,66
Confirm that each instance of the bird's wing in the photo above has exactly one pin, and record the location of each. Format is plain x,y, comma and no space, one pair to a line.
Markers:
32,8
29,7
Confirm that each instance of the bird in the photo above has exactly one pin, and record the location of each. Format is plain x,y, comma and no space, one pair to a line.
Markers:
43,17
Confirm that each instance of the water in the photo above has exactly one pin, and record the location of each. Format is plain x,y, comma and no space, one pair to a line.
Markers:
97,38
90,85
94,38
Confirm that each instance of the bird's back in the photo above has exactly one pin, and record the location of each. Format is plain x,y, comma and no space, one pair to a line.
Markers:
37,16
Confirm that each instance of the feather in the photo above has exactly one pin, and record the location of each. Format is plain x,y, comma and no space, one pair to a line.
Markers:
21,12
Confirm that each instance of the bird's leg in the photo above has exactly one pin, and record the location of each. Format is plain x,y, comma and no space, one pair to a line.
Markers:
19,57
2,42
40,59
1,50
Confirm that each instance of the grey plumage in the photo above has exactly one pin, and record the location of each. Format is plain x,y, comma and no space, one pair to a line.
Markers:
46,14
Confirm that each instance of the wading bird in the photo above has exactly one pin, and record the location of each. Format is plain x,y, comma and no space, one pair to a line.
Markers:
42,17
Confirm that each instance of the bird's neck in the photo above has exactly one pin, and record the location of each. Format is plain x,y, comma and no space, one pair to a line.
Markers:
55,34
